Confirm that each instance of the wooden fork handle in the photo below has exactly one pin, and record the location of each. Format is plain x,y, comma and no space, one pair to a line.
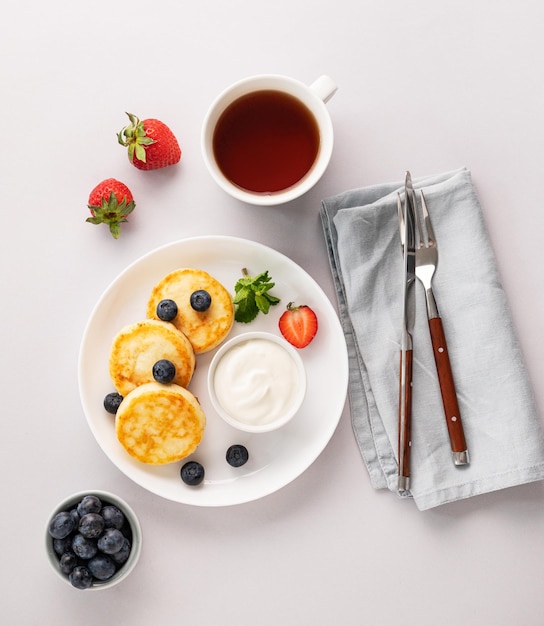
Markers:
447,388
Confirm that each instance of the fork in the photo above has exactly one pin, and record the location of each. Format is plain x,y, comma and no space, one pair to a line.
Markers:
426,262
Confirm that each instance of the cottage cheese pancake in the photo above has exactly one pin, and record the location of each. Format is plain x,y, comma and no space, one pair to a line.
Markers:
159,424
137,347
204,329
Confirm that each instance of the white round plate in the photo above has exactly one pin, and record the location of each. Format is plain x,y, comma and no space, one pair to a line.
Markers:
276,458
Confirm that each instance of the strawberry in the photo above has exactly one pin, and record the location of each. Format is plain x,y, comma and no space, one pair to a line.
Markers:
110,202
151,144
298,324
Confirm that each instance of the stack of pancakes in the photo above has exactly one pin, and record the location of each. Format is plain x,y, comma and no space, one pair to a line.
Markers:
163,423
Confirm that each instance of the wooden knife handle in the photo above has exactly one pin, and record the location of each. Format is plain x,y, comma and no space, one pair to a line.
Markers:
405,418
447,386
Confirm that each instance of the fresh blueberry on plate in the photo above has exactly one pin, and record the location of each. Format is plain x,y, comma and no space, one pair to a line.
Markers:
112,402
237,455
200,300
164,371
192,473
167,310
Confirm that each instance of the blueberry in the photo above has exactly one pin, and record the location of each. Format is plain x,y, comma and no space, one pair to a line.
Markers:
111,541
61,525
113,517
60,546
76,517
83,547
80,577
91,525
101,566
237,455
167,310
112,402
164,371
67,562
192,473
200,300
89,504
122,556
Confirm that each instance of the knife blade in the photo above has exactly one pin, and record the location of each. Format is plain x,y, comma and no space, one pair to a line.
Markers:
408,237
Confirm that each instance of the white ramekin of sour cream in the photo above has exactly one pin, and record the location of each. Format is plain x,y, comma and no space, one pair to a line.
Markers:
257,382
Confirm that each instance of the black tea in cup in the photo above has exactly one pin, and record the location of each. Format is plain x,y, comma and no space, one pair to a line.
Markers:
266,141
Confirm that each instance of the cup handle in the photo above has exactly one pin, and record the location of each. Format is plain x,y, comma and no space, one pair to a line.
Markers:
324,87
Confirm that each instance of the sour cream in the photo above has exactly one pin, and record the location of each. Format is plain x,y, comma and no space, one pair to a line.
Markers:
257,381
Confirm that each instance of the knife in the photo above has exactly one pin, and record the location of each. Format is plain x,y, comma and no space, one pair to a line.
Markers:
408,238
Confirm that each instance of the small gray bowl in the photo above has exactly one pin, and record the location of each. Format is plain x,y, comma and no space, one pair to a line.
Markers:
106,498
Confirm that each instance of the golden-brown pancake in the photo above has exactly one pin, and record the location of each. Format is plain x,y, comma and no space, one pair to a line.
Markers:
159,424
137,347
205,330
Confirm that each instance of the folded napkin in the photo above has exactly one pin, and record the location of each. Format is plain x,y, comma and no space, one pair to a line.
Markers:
503,432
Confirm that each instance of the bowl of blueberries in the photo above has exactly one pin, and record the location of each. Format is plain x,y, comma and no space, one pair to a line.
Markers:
93,540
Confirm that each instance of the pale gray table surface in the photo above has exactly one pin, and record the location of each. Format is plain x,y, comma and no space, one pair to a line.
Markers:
424,86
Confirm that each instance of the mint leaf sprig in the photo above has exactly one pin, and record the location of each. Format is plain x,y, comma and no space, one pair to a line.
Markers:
252,294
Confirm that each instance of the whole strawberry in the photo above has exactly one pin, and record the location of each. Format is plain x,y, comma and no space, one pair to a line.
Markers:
151,144
110,202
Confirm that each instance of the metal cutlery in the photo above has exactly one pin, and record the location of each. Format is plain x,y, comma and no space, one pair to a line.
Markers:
407,215
426,260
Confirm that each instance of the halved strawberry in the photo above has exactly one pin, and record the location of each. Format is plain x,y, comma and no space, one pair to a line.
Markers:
298,324
151,144
109,203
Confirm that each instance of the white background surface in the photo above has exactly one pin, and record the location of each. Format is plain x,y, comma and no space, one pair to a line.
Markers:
425,86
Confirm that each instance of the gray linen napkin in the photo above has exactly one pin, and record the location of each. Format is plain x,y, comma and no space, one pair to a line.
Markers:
504,434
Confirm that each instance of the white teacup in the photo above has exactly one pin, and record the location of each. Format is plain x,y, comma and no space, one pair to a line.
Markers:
268,139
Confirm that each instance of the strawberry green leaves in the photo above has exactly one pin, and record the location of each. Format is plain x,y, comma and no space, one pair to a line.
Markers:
110,202
135,138
252,294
